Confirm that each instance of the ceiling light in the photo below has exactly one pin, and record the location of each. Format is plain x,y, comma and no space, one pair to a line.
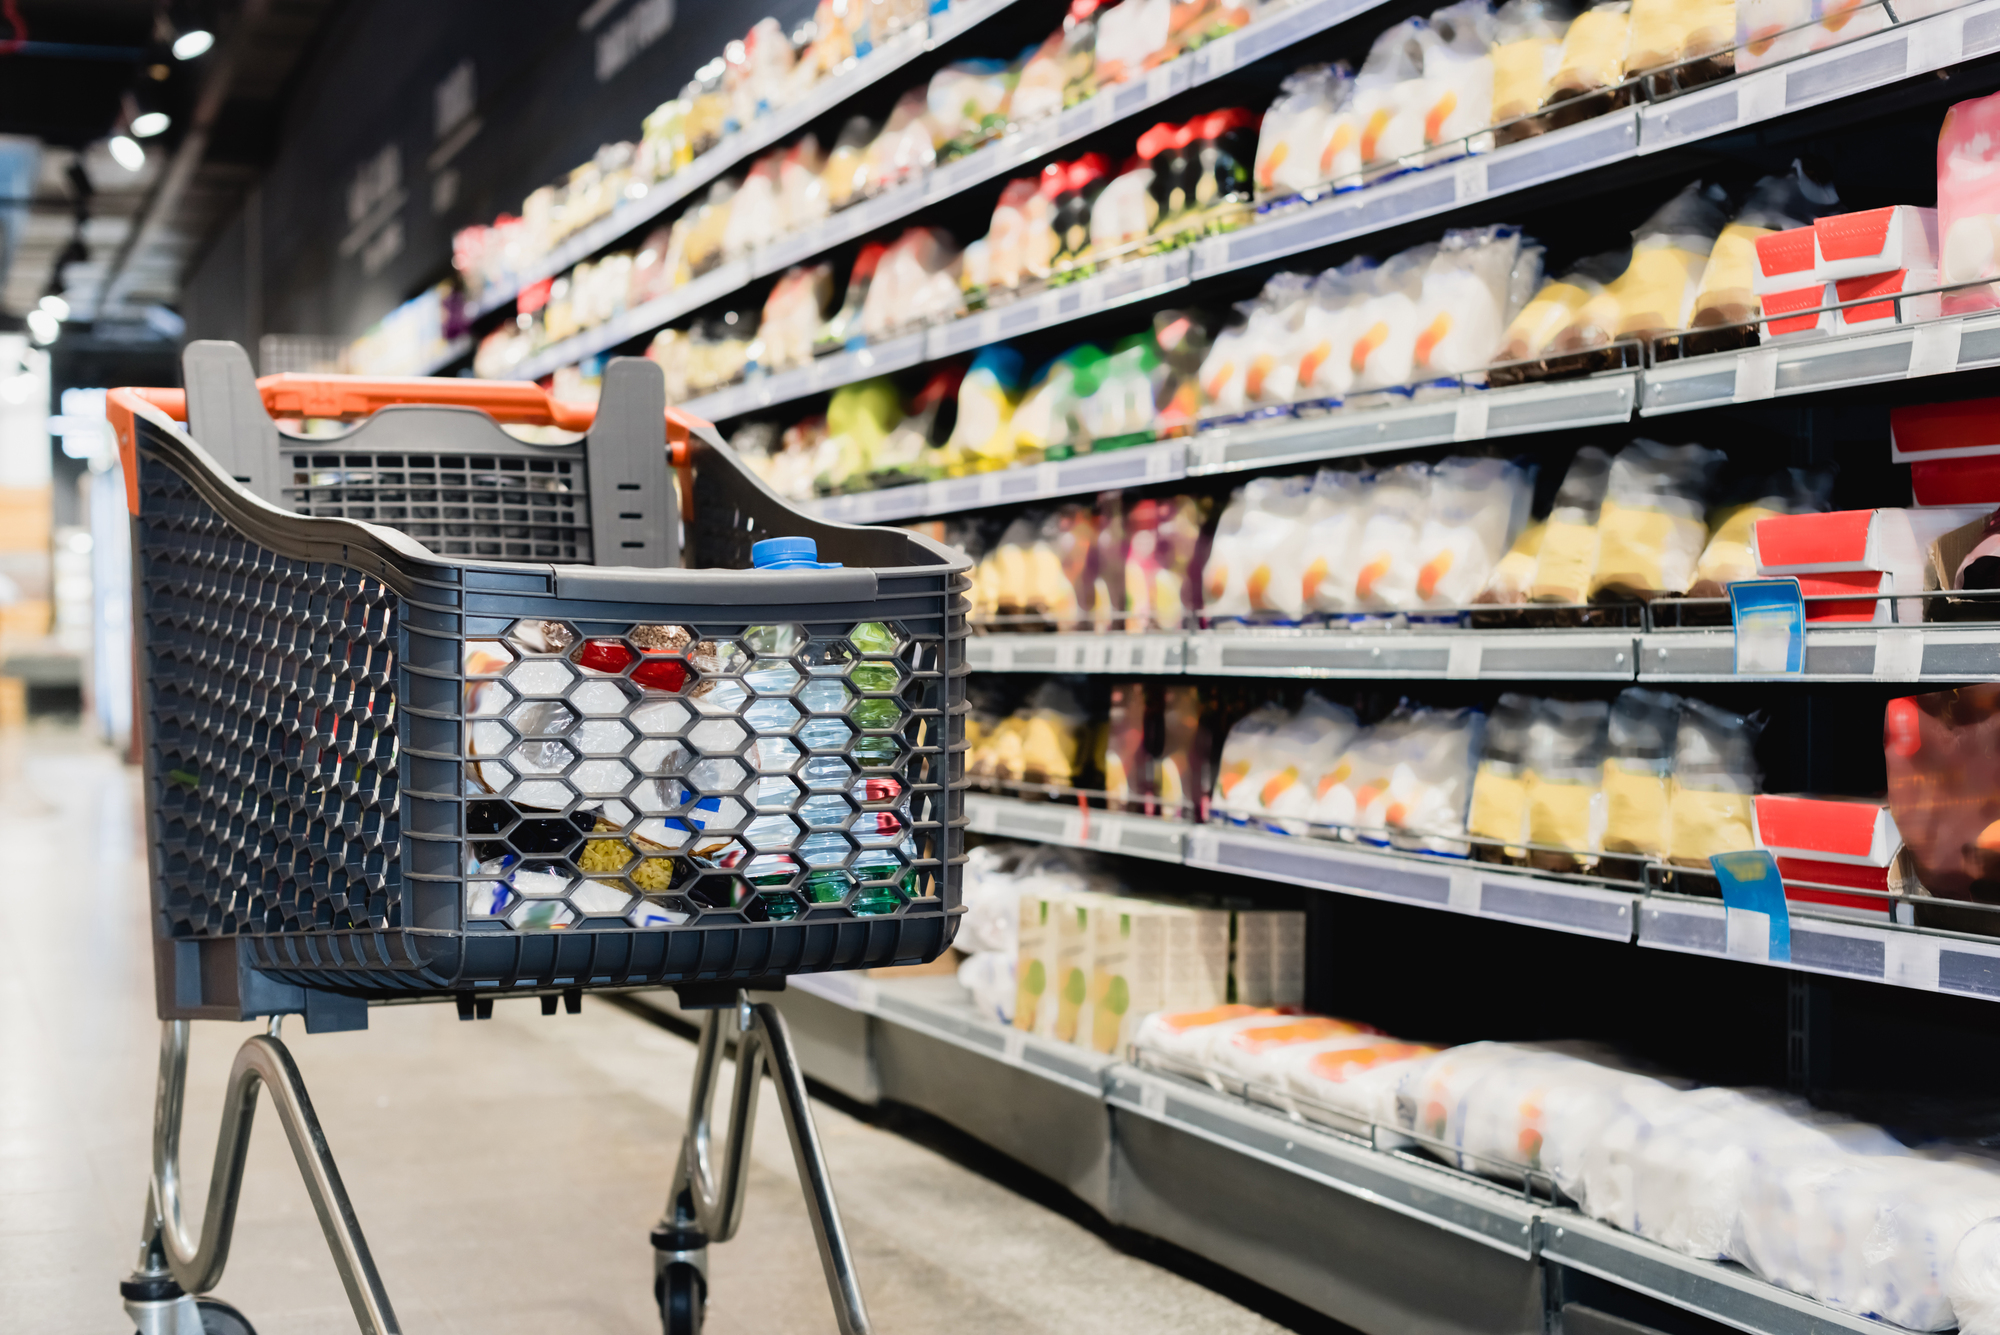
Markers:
56,306
43,326
149,123
189,45
125,151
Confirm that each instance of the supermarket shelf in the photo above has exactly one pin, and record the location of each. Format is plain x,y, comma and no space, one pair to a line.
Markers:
452,352
1778,370
1927,960
1135,467
752,139
641,319
1471,414
1150,653
1931,653
1513,655
1904,956
1277,1198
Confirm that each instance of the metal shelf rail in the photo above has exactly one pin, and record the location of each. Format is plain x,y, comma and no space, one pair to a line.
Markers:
1928,652
1926,959
1264,1172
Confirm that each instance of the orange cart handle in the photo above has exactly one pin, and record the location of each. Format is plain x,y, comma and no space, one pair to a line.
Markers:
341,396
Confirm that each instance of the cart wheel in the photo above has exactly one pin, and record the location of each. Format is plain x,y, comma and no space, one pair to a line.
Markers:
219,1318
683,1299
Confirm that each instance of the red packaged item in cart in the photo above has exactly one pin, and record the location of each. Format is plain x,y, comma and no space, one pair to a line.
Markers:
1943,754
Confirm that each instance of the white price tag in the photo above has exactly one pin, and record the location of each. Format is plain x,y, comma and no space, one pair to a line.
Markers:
1463,662
1000,656
1160,82
1936,44
1465,890
866,994
1934,348
1756,374
1201,847
989,489
1910,960
1747,935
1469,418
1153,1100
1899,654
1760,97
1470,177
1219,56
1013,1044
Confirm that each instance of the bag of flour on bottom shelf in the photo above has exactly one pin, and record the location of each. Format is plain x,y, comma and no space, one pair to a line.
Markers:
1714,783
1243,751
1477,506
1330,538
1184,1038
1654,522
1342,1083
1282,783
1568,555
1257,1053
1385,554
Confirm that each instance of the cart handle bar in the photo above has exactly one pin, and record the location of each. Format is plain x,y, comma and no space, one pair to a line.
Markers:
521,402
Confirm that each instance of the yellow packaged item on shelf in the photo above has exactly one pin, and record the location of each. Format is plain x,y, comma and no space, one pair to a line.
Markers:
1515,574
1714,783
1728,557
1593,52
1499,810
1527,51
1568,555
1566,747
1652,526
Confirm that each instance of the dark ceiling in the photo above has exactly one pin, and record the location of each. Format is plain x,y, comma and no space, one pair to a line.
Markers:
118,243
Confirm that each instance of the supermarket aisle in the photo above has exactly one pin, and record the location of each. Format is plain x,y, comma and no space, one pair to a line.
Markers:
506,1172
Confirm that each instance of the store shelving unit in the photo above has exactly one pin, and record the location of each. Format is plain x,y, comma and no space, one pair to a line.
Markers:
1345,1221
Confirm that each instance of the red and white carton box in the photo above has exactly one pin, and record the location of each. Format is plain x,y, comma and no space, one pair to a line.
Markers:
1893,308
1812,301
1959,482
1874,241
1964,429
1826,597
1829,841
1853,540
1786,261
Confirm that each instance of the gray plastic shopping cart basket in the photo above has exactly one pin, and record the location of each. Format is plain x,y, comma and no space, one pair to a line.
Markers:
433,711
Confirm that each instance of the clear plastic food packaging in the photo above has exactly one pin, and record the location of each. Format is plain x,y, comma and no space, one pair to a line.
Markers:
1638,768
1566,749
1568,557
1654,522
1715,777
1254,563
1500,784
1476,508
1477,283
1297,129
1242,752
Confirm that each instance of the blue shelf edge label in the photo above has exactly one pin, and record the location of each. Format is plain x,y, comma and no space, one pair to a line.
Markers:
1770,620
1759,924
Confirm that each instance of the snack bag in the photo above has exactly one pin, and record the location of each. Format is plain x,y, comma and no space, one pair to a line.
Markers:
1329,324
1384,351
1472,290
1183,767
982,437
1566,747
845,173
1129,35
1527,51
1183,340
1458,79
1638,768
916,280
1568,557
1038,90
1514,574
1657,291
1357,783
905,149
1128,776
1476,508
1341,503
1727,298
1430,786
1968,199
1593,55
1728,557
1163,537
1499,810
845,323
1388,108
1573,313
1281,784
1670,32
1297,127
1386,559
1024,212
966,103
1243,751
802,198
1715,779
1652,529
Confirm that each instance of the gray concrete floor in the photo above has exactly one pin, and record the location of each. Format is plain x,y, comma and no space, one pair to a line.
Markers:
506,1172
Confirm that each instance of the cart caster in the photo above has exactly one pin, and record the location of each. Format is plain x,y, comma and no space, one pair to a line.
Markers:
683,1294
219,1318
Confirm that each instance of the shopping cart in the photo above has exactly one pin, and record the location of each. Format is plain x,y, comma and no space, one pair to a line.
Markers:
437,711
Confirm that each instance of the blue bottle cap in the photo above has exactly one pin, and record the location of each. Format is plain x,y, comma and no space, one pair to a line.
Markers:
788,554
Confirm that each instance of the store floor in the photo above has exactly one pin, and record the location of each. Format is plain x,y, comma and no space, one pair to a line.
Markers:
506,1172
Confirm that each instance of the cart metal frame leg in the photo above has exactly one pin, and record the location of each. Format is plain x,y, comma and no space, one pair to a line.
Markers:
173,1267
702,1209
